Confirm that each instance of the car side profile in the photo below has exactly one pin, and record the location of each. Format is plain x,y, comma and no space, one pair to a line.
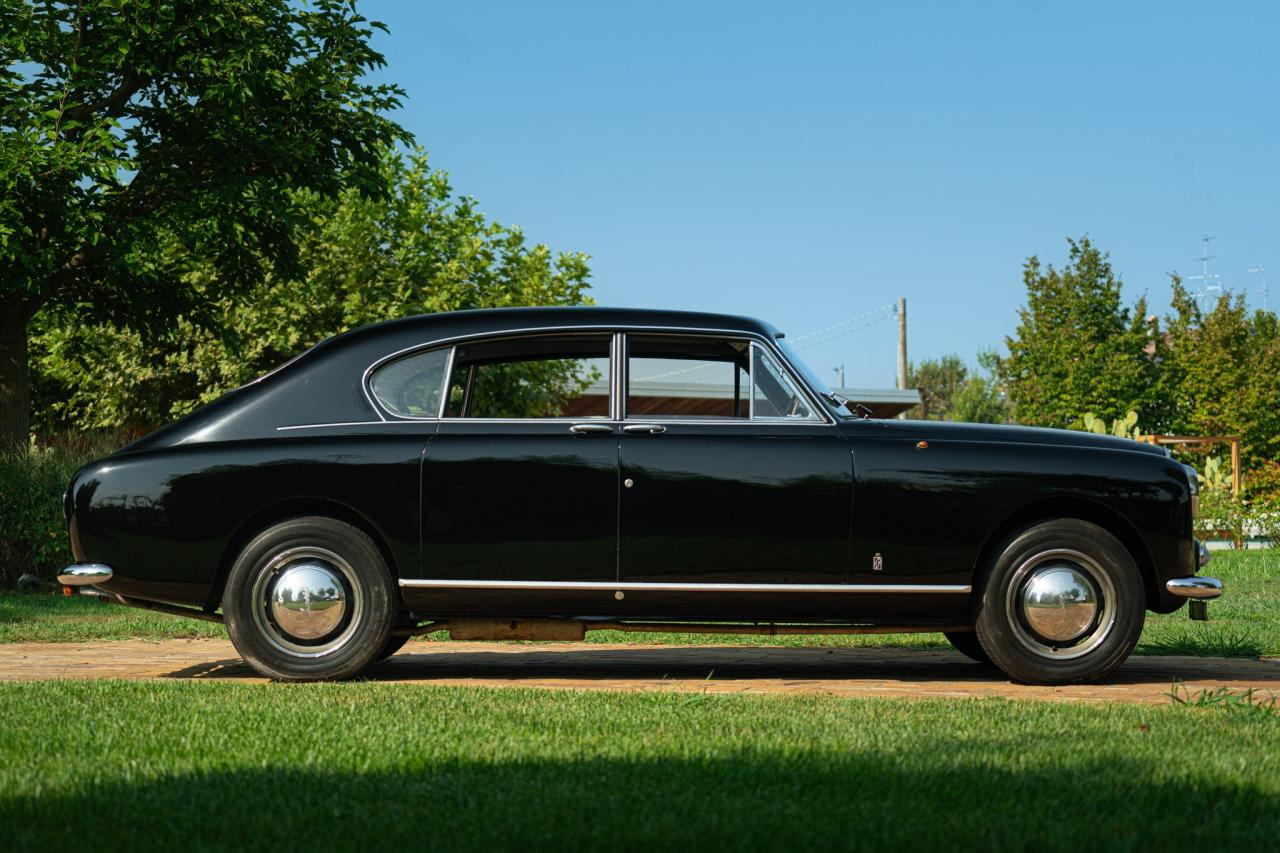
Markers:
541,472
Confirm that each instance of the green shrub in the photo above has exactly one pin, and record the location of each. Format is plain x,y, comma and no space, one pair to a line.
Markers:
1222,514
1263,481
33,532
1265,516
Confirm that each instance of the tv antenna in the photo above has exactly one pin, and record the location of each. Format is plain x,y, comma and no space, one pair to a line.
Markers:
1262,271
1211,283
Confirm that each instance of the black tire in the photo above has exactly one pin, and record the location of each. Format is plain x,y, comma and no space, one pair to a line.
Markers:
1031,642
394,644
353,573
966,643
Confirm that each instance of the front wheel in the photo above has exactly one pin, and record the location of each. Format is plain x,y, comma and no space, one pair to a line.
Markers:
1062,603
310,599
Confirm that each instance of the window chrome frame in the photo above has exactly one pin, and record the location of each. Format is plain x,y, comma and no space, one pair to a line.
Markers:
617,356
789,375
382,410
820,415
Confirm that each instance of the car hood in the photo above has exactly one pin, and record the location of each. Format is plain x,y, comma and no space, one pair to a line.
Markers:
1008,434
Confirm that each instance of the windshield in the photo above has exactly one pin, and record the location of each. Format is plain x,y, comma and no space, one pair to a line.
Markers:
809,376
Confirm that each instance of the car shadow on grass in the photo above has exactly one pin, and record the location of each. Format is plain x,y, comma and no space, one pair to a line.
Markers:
583,663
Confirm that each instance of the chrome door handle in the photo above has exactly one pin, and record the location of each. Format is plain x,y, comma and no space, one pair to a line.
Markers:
587,429
651,429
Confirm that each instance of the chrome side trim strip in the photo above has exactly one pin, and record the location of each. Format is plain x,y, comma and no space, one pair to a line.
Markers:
632,586
343,424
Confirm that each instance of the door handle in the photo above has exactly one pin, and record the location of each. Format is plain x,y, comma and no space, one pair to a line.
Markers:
650,429
587,429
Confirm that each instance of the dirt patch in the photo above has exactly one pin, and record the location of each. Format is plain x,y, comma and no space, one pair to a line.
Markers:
590,666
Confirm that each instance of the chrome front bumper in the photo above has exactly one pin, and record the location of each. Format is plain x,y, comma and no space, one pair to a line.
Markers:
84,574
1195,587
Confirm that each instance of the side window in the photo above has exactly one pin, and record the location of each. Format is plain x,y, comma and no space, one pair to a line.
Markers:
774,393
674,376
411,386
546,376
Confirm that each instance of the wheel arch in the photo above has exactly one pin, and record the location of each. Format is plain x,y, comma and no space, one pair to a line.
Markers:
283,511
1051,509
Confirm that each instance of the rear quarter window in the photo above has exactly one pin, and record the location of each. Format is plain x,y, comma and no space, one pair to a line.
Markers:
413,386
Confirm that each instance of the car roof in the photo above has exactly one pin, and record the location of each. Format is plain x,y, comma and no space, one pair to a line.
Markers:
431,327
325,384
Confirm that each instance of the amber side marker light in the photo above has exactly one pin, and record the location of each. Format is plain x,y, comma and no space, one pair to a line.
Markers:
922,445
68,591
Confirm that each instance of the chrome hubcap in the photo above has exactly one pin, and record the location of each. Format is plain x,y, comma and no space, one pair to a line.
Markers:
1061,603
308,601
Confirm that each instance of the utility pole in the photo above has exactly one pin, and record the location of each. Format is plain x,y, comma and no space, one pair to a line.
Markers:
902,347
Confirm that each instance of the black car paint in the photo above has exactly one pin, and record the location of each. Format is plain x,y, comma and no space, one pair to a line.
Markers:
710,503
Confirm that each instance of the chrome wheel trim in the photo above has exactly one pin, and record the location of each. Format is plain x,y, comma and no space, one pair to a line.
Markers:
1082,635
320,633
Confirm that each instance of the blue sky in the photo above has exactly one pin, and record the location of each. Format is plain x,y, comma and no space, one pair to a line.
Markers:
811,162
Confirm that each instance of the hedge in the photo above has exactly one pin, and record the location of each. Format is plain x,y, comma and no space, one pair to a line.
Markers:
33,532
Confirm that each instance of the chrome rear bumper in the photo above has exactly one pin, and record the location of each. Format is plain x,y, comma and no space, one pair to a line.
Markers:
1195,587
84,574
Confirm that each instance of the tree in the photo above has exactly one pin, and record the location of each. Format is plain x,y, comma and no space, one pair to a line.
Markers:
416,250
938,381
1221,367
138,137
980,399
1078,349
951,391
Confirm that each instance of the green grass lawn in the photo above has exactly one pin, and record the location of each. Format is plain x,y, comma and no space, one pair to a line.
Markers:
181,765
1244,623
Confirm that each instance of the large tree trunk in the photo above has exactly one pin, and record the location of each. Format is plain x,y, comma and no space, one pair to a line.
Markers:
15,393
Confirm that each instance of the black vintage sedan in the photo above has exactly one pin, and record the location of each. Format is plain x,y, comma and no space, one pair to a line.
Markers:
537,473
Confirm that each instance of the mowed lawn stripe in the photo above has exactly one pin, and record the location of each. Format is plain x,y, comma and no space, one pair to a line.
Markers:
159,765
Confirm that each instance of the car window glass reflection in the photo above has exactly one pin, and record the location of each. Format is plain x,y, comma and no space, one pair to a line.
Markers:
411,386
774,394
687,377
538,377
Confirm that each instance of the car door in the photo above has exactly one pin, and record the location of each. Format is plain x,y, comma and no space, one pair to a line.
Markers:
520,481
731,475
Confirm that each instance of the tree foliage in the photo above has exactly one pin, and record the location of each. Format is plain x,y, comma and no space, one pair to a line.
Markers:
415,250
1222,369
938,381
981,400
140,136
951,391
1077,348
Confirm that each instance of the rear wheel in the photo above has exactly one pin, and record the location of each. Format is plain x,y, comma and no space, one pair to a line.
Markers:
1062,603
966,643
310,599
